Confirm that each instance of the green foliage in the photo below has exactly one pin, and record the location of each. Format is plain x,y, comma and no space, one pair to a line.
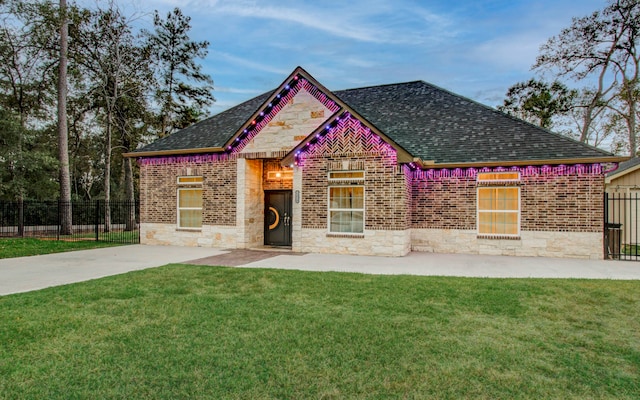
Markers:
28,165
538,102
183,90
203,332
111,89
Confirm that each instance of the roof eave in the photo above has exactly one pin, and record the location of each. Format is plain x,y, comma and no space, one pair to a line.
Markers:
618,174
159,153
557,161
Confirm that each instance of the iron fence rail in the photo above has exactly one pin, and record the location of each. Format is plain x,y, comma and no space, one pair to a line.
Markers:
113,221
621,220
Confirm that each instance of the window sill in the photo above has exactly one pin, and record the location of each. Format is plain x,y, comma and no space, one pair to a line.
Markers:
346,235
498,237
189,229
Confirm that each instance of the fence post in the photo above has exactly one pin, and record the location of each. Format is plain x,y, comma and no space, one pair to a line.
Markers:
21,217
59,221
97,220
605,226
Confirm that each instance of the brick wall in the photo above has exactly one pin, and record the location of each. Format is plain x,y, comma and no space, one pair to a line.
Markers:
447,203
352,147
158,191
562,203
548,202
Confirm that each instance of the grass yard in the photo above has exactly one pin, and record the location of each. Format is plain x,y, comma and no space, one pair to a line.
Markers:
21,247
182,331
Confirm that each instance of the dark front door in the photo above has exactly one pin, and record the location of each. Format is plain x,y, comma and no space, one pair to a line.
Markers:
277,218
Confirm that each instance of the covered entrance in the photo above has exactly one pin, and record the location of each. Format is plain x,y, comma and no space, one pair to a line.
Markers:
277,218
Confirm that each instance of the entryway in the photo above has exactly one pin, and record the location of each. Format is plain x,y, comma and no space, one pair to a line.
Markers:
277,218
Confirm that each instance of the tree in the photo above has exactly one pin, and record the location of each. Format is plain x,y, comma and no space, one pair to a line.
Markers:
116,69
66,223
538,102
600,47
175,57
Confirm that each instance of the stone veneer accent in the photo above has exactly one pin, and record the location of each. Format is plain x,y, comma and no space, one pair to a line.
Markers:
531,243
209,236
297,119
250,206
390,243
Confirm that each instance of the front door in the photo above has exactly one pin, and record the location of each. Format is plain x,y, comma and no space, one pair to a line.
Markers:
277,218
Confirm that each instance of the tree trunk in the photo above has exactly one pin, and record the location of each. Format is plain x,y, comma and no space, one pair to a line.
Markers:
130,223
63,139
107,174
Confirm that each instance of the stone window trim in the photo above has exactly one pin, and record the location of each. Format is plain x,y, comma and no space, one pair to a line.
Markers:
498,237
345,235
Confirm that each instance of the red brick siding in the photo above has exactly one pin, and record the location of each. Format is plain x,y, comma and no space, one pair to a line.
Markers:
446,203
386,202
548,203
158,191
572,203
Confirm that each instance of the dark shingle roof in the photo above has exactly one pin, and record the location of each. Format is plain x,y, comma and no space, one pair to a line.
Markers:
429,122
434,124
210,132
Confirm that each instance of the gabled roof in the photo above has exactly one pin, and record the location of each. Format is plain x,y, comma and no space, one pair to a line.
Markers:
424,122
624,168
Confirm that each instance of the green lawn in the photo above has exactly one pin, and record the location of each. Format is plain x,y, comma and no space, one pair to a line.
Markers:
30,247
182,331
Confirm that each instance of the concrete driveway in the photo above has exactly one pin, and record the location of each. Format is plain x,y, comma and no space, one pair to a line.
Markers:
38,272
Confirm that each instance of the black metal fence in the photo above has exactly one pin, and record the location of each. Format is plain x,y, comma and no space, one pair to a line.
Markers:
622,226
113,221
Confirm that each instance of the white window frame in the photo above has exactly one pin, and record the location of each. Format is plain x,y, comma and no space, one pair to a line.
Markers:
507,183
183,186
331,209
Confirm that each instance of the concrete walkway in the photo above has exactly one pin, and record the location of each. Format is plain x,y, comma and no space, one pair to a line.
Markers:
38,272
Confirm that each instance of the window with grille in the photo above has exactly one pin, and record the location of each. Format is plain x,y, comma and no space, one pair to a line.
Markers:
346,202
190,202
498,204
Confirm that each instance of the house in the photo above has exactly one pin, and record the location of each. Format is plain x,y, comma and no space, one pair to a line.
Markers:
622,207
380,170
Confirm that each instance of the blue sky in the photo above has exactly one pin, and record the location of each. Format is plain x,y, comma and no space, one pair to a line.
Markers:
474,48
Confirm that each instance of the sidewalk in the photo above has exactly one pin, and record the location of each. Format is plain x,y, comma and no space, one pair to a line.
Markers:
38,272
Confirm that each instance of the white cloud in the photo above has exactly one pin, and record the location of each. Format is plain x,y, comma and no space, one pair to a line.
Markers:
225,89
517,51
264,67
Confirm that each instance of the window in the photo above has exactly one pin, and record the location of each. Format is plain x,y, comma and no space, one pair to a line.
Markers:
190,202
346,202
498,204
346,209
